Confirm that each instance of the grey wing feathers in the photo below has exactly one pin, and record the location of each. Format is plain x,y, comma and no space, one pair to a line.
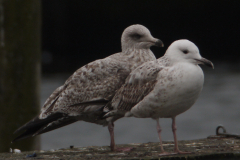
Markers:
138,84
92,84
131,94
49,104
88,86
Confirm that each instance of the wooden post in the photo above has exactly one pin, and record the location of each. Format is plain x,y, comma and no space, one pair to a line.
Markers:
20,24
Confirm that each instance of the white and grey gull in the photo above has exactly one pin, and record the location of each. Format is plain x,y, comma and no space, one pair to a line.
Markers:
162,88
84,93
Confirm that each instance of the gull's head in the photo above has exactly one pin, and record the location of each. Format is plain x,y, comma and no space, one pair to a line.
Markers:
186,51
138,37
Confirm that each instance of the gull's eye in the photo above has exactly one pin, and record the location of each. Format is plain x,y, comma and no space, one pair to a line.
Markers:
136,36
185,51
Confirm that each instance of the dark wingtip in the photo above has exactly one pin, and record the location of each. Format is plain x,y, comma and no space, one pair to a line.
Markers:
22,136
14,140
38,126
27,125
18,130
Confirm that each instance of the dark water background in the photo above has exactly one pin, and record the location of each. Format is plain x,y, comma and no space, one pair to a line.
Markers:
217,104
77,32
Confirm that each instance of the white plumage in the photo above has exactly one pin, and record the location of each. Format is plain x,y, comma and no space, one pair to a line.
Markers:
163,88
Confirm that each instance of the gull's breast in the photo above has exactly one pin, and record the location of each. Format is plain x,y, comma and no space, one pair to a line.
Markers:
176,91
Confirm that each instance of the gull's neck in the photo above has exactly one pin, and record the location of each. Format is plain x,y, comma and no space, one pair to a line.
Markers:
145,54
139,56
164,61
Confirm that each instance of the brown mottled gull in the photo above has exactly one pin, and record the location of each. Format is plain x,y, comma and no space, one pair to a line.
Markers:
93,85
162,88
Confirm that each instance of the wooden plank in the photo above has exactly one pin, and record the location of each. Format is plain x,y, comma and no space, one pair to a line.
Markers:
202,149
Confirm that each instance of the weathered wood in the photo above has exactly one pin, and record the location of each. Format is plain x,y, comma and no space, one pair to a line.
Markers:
19,68
202,149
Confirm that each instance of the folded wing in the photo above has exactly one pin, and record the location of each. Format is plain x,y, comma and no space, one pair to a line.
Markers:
92,85
139,84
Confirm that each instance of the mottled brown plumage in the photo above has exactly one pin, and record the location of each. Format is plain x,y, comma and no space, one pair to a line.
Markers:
138,84
93,85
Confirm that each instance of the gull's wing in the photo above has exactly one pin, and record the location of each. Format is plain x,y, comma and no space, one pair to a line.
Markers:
92,85
139,83
96,81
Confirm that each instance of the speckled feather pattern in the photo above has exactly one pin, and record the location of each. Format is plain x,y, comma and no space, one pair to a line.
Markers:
84,93
97,80
161,88
138,84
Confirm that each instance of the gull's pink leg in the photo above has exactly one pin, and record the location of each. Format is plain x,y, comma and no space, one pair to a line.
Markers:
174,128
111,131
112,143
159,130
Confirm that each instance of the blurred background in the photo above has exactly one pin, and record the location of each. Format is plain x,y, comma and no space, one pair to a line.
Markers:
77,32
74,33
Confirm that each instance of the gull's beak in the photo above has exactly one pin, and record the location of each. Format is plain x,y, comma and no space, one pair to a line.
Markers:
158,43
205,62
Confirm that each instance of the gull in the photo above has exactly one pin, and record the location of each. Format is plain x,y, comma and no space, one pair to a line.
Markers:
84,93
162,88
